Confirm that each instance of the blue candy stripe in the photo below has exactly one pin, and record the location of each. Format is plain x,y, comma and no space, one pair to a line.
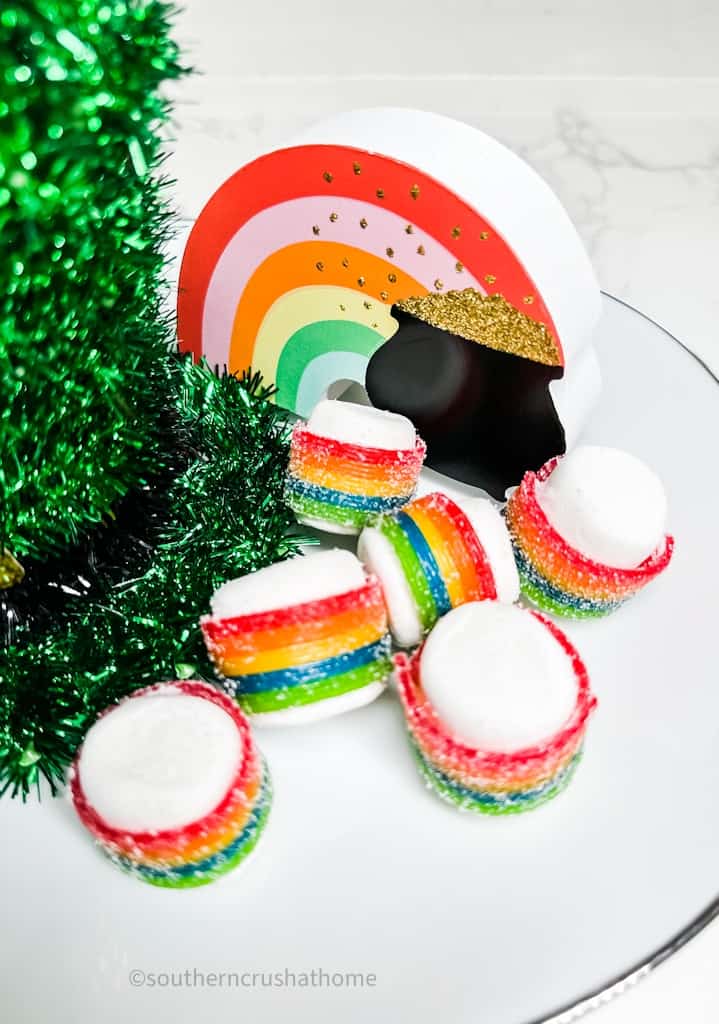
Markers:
217,860
357,502
485,799
428,562
554,593
261,682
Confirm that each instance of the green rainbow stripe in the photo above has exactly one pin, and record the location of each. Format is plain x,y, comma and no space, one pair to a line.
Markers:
322,338
412,568
302,694
312,509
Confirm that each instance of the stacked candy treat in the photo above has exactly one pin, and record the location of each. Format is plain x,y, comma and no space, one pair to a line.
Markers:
496,704
172,786
588,531
350,463
301,640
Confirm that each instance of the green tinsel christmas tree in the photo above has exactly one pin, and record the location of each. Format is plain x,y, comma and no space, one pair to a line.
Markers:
132,482
82,341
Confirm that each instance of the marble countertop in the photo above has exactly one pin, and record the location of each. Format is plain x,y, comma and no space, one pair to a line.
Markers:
615,104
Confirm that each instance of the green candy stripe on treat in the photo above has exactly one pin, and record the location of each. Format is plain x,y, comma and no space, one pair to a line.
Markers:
446,793
313,509
412,569
296,696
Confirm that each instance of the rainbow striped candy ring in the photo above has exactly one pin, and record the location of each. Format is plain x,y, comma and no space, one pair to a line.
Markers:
340,487
171,785
436,554
308,660
493,781
556,576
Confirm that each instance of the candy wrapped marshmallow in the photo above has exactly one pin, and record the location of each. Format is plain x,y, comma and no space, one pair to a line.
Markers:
171,784
588,531
437,554
496,704
301,640
349,463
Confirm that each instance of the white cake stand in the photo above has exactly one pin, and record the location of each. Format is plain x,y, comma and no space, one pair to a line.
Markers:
467,920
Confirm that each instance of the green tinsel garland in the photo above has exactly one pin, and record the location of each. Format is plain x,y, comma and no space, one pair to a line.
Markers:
221,516
83,378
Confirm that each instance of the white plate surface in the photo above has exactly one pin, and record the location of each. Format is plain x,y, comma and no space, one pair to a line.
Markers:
463,919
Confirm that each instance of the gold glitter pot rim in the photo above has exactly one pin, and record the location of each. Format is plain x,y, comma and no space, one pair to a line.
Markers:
487,319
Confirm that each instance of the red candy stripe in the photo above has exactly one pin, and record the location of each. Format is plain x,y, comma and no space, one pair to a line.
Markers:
212,821
304,438
368,595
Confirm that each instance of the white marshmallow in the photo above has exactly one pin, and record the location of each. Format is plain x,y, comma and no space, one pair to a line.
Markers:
380,559
607,504
362,425
159,761
496,677
296,581
494,537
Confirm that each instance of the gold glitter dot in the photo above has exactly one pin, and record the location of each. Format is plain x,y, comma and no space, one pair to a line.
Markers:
363,222
487,319
333,217
414,191
420,250
360,282
456,231
384,296
345,262
380,193
528,299
490,278
409,229
438,285
375,325
459,267
315,229
356,168
484,235
390,252
327,176
343,308
367,305
320,265
392,278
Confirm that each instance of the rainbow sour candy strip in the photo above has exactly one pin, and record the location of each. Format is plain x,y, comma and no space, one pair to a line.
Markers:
296,656
207,869
440,554
346,484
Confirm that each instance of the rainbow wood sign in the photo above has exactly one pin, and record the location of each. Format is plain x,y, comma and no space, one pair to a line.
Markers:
293,265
